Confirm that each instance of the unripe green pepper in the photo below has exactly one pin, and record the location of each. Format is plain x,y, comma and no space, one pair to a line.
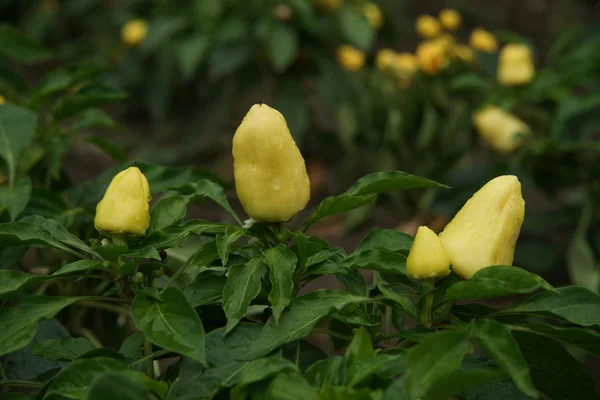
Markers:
124,209
270,175
485,231
427,258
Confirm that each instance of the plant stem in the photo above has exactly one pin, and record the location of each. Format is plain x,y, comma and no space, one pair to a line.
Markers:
105,306
17,383
298,354
89,335
2,372
332,333
149,360
151,356
427,302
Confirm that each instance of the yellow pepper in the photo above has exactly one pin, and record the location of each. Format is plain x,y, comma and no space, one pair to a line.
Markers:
406,67
483,40
270,175
124,208
373,14
463,52
385,59
134,32
450,19
327,5
515,65
2,100
485,231
351,58
427,26
502,130
431,56
427,257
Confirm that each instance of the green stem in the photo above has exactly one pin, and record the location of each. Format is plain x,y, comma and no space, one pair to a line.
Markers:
427,302
105,306
2,373
149,360
298,354
17,383
89,335
152,356
332,333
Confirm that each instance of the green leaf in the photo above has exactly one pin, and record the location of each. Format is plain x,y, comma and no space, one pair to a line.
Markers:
18,47
171,323
259,370
167,211
282,264
497,281
366,189
98,119
303,353
14,280
437,356
360,347
495,338
173,235
356,28
205,289
17,130
19,322
58,232
226,241
243,285
118,386
372,366
377,260
290,387
585,339
404,301
330,371
190,54
74,380
554,371
15,199
574,304
299,319
89,96
114,151
385,239
228,59
281,47
78,267
66,349
354,283
460,380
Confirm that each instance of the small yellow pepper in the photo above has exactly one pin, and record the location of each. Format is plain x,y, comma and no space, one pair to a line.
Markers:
406,67
270,175
432,57
385,59
502,130
483,40
134,32
463,52
427,26
427,258
485,231
450,19
351,58
515,65
124,208
2,100
327,5
373,14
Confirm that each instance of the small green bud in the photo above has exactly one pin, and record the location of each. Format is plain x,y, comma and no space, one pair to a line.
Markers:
138,277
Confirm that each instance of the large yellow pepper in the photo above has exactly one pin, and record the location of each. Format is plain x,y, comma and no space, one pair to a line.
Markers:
502,130
373,14
450,19
351,58
427,258
427,26
270,175
515,65
432,56
134,32
327,5
124,208
483,40
485,231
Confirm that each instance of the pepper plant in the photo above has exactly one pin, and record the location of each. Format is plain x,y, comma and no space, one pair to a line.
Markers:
233,318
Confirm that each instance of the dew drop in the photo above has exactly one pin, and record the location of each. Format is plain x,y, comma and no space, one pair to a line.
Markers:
275,184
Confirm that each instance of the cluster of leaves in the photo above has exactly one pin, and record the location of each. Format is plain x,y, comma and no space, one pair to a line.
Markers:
230,318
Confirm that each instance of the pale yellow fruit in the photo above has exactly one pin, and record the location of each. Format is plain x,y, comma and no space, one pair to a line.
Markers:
502,130
515,65
432,56
485,231
450,19
463,52
270,175
124,209
134,32
427,257
373,14
350,58
427,26
385,59
483,40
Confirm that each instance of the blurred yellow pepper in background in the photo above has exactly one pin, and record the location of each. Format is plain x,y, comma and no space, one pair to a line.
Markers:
2,100
431,56
124,209
502,130
406,66
515,65
385,59
427,257
483,40
269,170
373,14
485,231
351,58
327,5
427,26
450,19
134,32
463,52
